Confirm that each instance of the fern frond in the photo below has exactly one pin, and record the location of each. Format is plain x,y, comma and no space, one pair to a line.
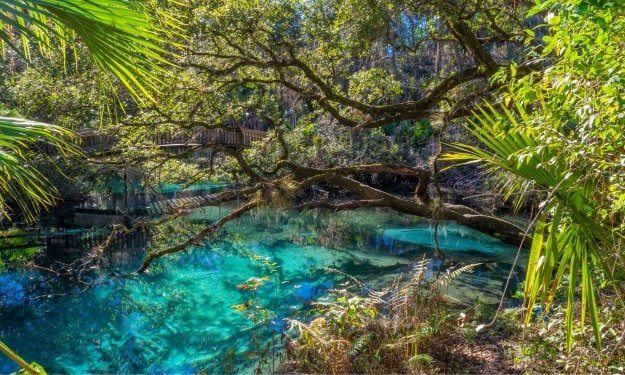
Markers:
339,272
450,277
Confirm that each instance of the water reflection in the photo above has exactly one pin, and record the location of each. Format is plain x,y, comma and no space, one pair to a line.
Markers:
208,308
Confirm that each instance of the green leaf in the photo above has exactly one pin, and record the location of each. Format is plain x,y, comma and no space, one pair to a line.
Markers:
122,38
532,277
18,180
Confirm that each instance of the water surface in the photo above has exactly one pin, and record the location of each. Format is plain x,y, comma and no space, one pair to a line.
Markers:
219,307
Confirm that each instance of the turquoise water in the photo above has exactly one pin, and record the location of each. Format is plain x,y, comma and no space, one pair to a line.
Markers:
220,306
117,186
131,195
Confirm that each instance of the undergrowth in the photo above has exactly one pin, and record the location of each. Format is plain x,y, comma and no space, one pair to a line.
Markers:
412,327
407,327
541,348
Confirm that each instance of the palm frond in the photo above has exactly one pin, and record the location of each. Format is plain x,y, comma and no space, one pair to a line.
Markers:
19,180
567,237
119,34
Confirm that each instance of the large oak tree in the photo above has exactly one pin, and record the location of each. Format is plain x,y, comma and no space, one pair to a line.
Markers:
303,69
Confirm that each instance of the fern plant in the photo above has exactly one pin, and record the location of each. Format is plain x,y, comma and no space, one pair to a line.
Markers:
393,330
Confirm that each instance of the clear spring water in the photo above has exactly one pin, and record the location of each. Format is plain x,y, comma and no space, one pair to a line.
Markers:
182,316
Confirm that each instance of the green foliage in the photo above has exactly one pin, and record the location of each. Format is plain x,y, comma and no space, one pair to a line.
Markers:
73,101
120,36
559,131
400,329
412,132
18,180
543,349
374,86
575,238
25,247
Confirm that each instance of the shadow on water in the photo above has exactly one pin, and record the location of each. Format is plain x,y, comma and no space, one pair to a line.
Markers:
208,308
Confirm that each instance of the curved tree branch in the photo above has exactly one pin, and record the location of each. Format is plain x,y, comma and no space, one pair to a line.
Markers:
197,239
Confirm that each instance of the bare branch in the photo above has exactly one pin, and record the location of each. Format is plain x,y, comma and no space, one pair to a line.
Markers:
197,239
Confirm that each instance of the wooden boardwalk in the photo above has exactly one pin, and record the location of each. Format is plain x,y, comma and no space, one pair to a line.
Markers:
94,141
151,207
102,217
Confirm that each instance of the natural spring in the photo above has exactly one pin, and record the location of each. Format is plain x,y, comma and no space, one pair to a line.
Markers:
181,316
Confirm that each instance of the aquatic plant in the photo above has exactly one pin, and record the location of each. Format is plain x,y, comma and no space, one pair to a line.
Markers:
259,314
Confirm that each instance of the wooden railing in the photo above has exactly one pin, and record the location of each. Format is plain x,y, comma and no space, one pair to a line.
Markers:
92,140
203,136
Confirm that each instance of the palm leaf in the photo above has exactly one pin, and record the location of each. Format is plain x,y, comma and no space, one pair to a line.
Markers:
534,263
571,239
119,34
27,368
19,180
